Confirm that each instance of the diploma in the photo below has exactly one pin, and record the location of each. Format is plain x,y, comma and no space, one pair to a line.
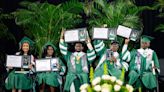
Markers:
71,36
100,33
124,31
14,61
42,65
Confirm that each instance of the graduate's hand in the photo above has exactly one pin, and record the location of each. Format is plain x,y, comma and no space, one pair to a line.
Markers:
30,66
88,40
9,67
154,67
62,33
58,66
113,59
127,41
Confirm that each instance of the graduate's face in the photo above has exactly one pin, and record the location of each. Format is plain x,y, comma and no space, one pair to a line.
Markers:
50,51
114,47
145,45
25,47
79,47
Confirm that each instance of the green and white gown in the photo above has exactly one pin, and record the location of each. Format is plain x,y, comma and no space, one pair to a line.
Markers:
52,78
19,79
77,64
141,71
114,69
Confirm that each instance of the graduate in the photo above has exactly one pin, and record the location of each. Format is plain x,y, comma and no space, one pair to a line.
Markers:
77,63
18,78
144,65
53,79
115,62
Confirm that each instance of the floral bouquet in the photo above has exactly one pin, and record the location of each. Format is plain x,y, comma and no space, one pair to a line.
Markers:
106,83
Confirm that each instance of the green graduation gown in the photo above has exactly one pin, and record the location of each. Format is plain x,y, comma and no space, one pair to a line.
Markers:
141,71
19,79
52,78
114,69
77,64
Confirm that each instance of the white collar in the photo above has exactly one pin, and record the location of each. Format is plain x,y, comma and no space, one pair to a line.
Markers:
79,53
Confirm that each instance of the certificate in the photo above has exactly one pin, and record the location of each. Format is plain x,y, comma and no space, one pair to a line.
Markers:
54,64
124,31
112,33
26,60
100,33
42,65
71,36
14,61
134,35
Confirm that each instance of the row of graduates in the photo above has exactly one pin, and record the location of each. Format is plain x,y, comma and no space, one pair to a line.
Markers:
139,63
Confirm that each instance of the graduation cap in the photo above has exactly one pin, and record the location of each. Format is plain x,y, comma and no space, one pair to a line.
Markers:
49,44
26,39
146,38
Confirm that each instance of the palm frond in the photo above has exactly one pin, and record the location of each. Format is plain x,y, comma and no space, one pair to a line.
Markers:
43,21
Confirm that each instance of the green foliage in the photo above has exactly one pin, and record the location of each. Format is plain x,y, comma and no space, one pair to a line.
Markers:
91,73
4,32
160,5
119,12
122,77
105,69
43,21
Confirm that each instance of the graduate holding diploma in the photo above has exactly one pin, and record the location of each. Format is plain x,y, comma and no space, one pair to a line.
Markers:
115,61
17,79
77,63
51,78
144,65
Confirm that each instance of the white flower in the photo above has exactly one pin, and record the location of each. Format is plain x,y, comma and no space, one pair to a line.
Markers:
129,87
97,88
119,82
105,88
96,81
83,90
106,77
117,88
113,78
84,86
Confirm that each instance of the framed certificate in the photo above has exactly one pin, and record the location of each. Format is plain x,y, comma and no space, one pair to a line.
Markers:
14,61
75,35
109,54
54,64
42,65
112,33
26,60
100,33
124,31
83,34
135,35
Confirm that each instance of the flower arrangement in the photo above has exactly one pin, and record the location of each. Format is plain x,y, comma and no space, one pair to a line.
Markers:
106,83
